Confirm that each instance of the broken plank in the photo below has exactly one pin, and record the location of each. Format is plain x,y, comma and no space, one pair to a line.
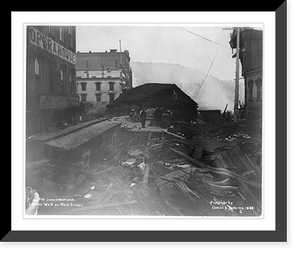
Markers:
103,171
217,170
146,173
257,170
169,133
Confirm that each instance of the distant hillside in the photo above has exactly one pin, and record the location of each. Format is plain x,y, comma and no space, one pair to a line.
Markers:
213,94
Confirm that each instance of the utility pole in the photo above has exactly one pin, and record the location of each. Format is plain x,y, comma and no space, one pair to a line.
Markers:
120,54
237,78
236,95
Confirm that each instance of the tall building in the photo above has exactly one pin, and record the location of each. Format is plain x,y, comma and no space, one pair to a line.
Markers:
251,57
102,76
51,96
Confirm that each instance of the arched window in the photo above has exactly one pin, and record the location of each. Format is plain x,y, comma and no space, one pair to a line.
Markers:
36,67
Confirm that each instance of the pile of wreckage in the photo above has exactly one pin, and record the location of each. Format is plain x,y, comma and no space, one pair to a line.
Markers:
156,175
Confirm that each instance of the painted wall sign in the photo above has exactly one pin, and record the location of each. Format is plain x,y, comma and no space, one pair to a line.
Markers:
42,41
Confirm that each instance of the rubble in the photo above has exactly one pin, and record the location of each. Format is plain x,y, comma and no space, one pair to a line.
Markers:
159,175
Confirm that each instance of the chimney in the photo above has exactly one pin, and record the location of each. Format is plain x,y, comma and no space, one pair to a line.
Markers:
113,50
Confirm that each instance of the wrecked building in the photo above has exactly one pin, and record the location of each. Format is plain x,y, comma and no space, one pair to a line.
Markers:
152,95
152,174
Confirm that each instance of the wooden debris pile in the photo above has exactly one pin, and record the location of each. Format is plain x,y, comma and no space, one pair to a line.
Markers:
159,176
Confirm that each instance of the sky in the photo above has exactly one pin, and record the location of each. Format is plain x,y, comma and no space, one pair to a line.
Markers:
190,46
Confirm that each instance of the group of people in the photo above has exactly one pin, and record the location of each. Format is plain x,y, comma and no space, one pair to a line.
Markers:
157,116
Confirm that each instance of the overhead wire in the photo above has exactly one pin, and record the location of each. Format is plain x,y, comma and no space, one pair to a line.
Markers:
204,38
211,41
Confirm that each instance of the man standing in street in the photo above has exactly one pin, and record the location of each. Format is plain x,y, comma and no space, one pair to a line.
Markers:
143,117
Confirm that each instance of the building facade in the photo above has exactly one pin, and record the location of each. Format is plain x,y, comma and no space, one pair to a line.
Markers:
251,57
102,76
51,93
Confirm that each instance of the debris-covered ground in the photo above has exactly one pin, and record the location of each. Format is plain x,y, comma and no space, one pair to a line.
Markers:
153,173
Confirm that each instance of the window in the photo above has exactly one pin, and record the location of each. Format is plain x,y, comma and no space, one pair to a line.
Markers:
111,85
86,64
71,75
258,85
36,67
61,34
111,97
98,86
51,30
98,97
83,86
62,78
71,37
61,74
250,87
116,64
83,98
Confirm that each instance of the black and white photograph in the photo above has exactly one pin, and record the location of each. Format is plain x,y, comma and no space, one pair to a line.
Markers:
152,120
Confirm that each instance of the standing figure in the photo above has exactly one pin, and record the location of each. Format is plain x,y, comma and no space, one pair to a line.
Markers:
143,117
159,116
131,115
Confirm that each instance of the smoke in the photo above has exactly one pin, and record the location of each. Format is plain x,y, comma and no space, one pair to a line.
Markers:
209,92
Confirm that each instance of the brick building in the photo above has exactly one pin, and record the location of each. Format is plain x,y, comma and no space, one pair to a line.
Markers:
251,57
102,76
51,96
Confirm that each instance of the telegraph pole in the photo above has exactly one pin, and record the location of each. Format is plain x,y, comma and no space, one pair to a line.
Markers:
237,79
120,53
